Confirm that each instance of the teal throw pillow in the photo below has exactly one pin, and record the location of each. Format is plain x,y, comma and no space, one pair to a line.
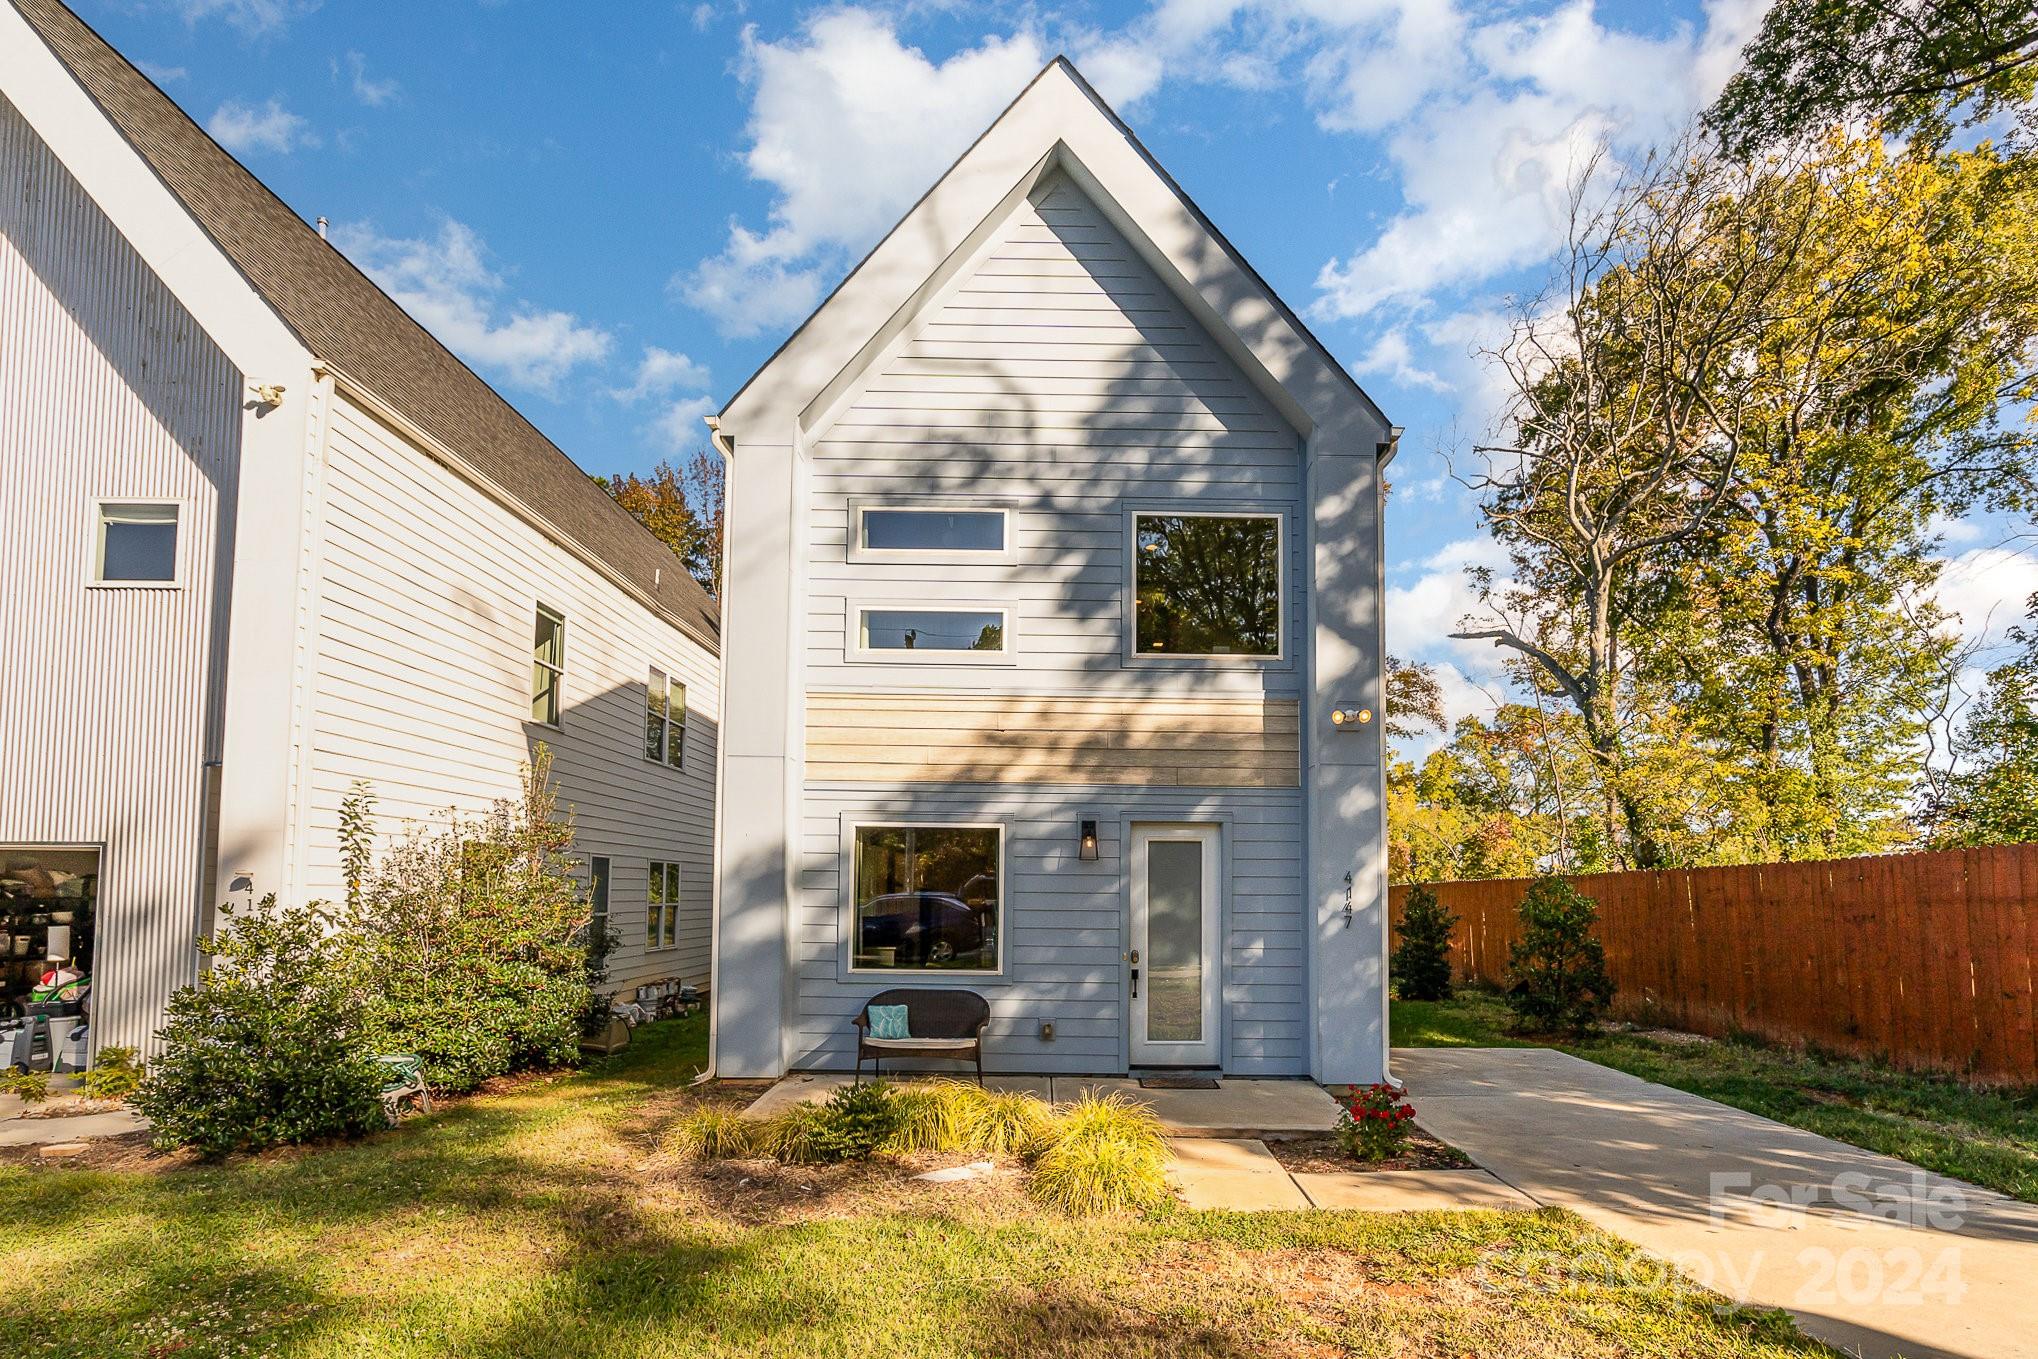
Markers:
887,1021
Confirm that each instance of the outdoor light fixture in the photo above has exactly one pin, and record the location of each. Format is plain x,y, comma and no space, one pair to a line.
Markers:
1087,849
1350,717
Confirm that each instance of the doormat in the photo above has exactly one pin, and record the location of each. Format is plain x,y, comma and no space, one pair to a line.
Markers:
1178,1082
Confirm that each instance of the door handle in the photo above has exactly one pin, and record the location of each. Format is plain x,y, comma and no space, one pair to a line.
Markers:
1133,958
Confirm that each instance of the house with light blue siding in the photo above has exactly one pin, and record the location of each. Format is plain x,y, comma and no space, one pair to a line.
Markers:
1053,650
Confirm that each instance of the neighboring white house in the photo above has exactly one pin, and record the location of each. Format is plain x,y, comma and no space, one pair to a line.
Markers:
1055,639
263,536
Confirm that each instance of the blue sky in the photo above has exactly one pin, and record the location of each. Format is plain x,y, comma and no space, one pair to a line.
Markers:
616,211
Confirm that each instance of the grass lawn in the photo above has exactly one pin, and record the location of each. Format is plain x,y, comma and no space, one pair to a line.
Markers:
544,1220
1987,1137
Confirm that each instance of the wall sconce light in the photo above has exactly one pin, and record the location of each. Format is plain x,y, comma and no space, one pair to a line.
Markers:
1086,849
1350,717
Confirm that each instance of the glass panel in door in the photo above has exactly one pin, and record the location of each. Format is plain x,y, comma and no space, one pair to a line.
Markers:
1175,964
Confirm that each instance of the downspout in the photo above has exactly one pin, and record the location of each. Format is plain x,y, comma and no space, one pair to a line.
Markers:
727,448
1384,452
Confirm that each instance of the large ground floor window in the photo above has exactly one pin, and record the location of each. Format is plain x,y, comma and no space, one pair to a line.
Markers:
928,898
48,898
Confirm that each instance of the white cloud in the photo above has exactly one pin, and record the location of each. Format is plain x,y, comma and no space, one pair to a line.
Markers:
242,128
373,93
1422,614
250,16
446,283
163,75
1510,112
661,371
1393,358
1987,589
679,426
848,126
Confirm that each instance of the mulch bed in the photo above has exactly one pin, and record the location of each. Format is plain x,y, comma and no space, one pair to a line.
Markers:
1324,1155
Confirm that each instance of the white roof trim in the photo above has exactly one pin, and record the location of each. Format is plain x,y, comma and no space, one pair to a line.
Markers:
1057,122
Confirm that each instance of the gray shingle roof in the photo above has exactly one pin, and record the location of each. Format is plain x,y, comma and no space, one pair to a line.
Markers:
346,320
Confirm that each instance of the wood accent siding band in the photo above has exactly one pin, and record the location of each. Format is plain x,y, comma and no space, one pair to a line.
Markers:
1053,739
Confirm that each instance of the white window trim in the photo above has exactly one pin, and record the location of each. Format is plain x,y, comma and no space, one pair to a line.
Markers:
665,745
539,606
846,923
856,652
671,870
1134,656
95,507
855,551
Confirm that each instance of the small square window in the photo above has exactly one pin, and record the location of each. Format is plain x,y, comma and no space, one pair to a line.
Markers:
1207,585
137,544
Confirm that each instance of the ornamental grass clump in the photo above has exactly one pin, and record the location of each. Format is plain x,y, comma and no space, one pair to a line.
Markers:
713,1134
1375,1123
931,1117
796,1136
1103,1155
1005,1123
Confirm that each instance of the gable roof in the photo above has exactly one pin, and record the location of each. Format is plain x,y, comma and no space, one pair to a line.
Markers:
345,320
1058,121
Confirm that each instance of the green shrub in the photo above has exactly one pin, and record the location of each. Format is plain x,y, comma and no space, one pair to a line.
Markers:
1003,1122
1102,1155
713,1134
1422,962
1374,1123
116,1073
468,943
32,1086
855,1121
1556,972
267,1047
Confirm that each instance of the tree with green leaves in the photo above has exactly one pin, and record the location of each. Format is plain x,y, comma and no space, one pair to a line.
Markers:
1421,963
1915,66
1991,797
1557,980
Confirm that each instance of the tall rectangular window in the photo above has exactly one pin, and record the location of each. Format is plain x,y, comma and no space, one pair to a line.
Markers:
598,894
927,898
661,921
548,666
665,720
137,543
1207,585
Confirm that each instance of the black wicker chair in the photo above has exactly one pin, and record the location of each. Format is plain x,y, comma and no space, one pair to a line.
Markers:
943,1023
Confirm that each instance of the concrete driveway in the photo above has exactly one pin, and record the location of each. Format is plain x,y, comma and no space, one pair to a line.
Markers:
1870,1253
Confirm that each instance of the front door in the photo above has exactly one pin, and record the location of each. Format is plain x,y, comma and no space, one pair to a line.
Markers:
1174,966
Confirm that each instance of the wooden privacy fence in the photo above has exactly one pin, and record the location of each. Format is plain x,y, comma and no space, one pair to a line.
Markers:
1926,960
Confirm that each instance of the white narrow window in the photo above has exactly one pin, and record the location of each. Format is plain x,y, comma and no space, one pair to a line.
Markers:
136,543
665,720
661,920
1207,585
930,533
598,895
885,629
548,666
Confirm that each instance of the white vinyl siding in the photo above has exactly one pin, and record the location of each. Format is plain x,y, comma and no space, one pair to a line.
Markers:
109,390
1058,380
424,666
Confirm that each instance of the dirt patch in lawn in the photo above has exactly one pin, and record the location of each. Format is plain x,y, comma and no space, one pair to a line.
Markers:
755,1192
1322,1154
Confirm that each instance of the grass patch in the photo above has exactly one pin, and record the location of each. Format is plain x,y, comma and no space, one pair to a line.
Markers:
1986,1136
546,1221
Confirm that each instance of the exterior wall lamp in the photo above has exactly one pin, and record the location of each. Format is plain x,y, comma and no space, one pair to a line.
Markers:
1086,848
1350,717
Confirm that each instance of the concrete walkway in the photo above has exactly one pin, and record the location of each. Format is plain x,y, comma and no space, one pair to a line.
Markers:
1242,1175
1237,1108
1879,1257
